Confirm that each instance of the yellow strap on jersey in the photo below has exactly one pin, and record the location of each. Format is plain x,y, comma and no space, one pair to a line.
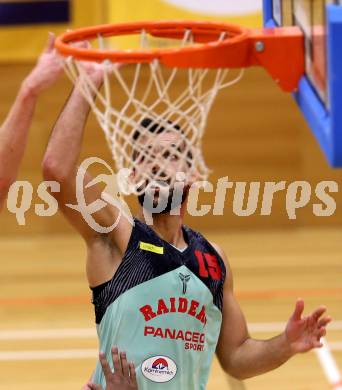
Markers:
145,246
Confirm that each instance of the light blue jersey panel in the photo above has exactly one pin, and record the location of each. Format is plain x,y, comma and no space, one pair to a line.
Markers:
169,328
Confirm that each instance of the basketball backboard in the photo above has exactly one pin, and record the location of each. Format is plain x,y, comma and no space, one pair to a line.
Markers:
319,94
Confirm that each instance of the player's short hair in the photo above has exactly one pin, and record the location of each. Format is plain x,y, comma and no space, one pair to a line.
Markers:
156,128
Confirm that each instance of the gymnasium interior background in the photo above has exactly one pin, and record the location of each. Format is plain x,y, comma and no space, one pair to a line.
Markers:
255,133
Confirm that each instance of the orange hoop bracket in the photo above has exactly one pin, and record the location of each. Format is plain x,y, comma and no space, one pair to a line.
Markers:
279,50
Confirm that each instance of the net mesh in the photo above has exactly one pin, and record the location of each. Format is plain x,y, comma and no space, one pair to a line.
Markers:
159,129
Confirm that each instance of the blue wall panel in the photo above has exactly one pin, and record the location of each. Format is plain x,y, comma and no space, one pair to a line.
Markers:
34,12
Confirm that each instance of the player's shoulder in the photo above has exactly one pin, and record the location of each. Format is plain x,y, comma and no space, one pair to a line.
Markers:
218,249
214,245
221,252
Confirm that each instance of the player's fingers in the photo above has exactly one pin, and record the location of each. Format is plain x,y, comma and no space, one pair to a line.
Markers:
117,65
321,332
299,308
124,364
105,365
132,374
311,322
317,344
324,321
116,361
50,43
316,314
81,44
318,333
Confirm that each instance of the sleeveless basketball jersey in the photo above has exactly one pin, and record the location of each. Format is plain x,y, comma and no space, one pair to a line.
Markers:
163,307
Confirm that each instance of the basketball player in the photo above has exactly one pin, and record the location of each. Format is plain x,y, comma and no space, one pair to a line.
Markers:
164,293
14,130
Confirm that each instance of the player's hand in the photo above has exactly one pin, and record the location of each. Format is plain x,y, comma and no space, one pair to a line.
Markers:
123,377
304,333
47,70
92,69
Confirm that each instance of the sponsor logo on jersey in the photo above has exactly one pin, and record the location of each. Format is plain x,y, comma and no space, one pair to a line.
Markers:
194,341
160,364
159,369
185,279
175,305
145,246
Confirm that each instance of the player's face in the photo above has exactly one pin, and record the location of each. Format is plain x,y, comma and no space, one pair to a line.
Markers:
163,157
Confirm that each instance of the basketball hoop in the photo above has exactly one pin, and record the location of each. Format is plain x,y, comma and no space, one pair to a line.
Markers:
206,51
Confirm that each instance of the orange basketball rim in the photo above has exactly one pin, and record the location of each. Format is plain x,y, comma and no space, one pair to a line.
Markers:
216,45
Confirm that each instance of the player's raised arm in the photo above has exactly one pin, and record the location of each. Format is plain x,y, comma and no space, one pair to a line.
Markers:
61,164
243,357
14,130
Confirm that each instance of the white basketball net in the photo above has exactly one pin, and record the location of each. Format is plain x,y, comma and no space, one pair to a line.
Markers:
159,100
